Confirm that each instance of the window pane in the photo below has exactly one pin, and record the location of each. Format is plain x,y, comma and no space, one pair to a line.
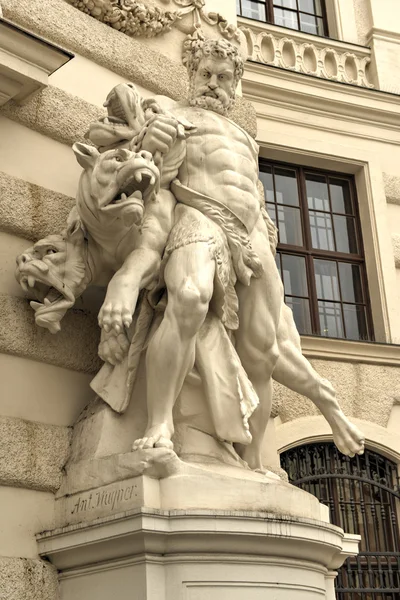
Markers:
289,226
301,313
294,275
286,18
286,187
340,196
311,6
266,179
321,230
317,192
345,234
310,24
350,282
271,212
355,322
253,10
326,279
330,319
286,3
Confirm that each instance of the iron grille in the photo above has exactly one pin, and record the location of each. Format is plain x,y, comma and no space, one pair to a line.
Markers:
363,498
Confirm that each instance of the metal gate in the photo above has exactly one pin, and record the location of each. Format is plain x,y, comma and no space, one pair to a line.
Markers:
363,497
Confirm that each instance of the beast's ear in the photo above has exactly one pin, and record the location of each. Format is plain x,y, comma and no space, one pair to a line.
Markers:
85,155
75,228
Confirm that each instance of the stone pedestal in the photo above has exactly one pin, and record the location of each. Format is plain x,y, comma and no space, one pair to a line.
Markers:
193,534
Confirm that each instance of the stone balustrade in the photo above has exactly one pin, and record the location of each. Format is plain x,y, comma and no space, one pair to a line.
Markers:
312,55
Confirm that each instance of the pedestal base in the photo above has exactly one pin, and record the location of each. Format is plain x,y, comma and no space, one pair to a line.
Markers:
196,555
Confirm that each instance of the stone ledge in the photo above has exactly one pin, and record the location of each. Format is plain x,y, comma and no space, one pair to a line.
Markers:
56,114
32,455
74,347
26,579
31,211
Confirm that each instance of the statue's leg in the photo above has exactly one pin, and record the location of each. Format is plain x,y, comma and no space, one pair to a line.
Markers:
189,278
294,371
259,311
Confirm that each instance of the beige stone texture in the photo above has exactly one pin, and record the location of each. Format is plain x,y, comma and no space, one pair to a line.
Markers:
25,579
82,34
24,514
31,211
41,392
56,114
364,391
396,249
32,454
362,20
20,158
392,188
74,347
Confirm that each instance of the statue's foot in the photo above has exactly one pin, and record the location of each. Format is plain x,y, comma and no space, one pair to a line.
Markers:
158,436
268,474
348,438
251,456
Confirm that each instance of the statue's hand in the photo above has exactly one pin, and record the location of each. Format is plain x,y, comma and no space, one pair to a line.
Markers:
119,304
113,347
161,134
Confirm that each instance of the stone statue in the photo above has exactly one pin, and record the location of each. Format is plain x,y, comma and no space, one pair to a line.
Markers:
169,216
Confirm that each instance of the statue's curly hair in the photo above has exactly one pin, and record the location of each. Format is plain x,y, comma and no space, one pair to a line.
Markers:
199,48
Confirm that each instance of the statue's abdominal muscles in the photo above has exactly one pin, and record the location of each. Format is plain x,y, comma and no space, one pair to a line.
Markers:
221,164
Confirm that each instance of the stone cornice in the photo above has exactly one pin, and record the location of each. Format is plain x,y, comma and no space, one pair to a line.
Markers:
376,33
351,351
26,62
268,85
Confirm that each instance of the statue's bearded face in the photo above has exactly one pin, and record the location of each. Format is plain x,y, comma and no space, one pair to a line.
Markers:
213,84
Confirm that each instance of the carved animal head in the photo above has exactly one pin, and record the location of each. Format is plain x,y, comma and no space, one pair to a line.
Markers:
115,186
54,271
127,113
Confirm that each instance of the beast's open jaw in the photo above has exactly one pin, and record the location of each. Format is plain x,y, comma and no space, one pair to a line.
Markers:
35,276
138,186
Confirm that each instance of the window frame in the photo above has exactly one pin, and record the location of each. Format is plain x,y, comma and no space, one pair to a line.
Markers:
309,253
269,16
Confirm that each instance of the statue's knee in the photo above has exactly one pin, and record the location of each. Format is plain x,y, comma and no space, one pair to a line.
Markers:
259,360
190,305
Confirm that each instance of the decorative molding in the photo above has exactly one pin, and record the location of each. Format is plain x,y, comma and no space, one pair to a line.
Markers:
140,20
32,455
311,55
351,351
26,62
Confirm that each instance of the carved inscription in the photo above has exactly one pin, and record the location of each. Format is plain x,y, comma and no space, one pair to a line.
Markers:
105,498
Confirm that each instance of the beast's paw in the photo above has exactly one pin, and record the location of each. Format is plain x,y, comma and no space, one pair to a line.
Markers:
113,347
119,305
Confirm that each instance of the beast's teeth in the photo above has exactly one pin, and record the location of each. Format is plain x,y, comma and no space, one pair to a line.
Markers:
106,121
138,194
138,177
31,281
152,180
46,302
123,196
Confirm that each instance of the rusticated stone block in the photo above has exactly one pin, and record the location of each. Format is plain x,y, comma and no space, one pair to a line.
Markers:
392,188
31,211
56,114
74,347
396,249
32,454
26,579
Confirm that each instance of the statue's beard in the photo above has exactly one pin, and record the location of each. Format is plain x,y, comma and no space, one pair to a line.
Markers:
221,104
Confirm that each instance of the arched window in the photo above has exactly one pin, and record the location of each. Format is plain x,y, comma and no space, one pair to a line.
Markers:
363,498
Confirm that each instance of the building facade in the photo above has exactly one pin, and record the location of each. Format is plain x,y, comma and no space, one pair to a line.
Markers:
321,93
